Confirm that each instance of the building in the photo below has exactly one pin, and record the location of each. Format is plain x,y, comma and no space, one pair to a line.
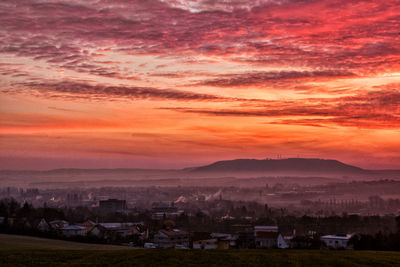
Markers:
43,226
110,205
265,229
58,224
113,231
164,210
225,241
214,241
198,239
206,244
268,237
73,230
337,241
87,224
171,238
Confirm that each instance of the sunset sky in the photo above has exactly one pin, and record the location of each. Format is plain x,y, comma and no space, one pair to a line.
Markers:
171,84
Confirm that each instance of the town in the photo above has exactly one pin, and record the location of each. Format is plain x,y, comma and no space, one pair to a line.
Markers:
208,222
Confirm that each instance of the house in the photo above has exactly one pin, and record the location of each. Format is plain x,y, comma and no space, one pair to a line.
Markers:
269,237
149,245
340,241
206,244
197,238
113,231
43,226
171,238
73,230
87,224
58,224
265,229
214,241
225,241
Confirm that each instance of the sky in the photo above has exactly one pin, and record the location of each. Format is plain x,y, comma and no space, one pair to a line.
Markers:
179,83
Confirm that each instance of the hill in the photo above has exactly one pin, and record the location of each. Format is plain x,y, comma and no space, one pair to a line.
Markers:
239,168
290,165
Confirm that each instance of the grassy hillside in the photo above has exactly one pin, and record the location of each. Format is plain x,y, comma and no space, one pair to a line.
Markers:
17,253
19,242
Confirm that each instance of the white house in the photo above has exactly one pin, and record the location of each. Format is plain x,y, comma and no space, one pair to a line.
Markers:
269,237
337,241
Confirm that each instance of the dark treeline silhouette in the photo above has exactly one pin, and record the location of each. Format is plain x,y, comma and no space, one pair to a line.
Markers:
372,232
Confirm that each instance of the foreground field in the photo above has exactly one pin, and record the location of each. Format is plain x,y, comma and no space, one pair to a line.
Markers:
17,254
20,242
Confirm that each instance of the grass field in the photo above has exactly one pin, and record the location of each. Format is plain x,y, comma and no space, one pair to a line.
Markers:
29,251
20,242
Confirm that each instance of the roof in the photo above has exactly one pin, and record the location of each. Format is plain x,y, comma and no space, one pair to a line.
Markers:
174,232
221,235
337,237
118,225
59,221
87,223
269,235
73,227
266,228
200,236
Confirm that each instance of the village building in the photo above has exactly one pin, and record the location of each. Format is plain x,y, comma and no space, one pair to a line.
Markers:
113,231
43,226
58,224
269,237
337,241
73,230
87,224
206,244
225,241
171,238
214,241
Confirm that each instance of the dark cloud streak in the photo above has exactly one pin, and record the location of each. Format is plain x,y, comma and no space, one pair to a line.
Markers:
376,109
76,89
265,78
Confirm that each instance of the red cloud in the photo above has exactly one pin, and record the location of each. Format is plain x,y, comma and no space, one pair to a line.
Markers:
360,35
263,78
377,109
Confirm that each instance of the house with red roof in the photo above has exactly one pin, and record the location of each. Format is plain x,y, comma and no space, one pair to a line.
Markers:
269,237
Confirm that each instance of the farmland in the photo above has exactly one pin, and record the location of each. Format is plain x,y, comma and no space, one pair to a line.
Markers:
30,251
